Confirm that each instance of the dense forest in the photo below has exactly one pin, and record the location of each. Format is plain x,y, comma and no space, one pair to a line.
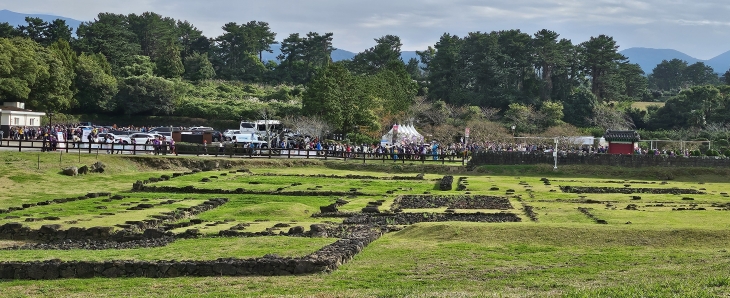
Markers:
148,64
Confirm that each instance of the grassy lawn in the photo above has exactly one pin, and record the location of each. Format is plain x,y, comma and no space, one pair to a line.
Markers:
186,249
653,251
642,105
477,260
22,180
288,183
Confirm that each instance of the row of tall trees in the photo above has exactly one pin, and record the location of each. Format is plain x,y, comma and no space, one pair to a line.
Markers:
497,69
52,78
527,77
677,74
134,64
139,65
180,50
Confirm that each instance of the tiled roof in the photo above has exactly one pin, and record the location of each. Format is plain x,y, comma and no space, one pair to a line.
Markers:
621,136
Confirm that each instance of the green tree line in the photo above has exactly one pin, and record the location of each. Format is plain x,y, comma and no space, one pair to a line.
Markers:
148,64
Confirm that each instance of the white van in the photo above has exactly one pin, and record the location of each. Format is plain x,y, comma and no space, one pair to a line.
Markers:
248,138
260,126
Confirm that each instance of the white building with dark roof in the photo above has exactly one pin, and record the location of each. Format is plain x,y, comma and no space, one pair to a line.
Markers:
13,114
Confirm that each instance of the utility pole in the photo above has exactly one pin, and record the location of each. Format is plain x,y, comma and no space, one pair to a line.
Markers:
555,155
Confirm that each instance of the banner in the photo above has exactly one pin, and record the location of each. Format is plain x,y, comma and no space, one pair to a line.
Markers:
60,136
85,135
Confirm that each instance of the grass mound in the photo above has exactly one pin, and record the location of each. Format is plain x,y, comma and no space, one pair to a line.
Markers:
274,209
652,173
185,249
563,235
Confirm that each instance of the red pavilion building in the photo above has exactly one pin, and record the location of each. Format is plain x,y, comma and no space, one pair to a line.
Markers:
621,141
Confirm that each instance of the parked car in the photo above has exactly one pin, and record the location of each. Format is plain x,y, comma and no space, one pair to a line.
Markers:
167,134
201,128
218,136
123,132
139,138
228,134
106,135
247,139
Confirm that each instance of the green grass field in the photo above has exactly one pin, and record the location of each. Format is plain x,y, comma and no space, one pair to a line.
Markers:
653,251
642,105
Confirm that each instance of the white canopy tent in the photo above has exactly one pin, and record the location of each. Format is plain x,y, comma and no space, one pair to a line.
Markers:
407,134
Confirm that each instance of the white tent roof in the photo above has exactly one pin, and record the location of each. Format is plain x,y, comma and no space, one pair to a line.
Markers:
406,134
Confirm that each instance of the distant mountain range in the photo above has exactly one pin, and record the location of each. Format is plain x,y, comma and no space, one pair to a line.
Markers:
646,58
337,55
15,19
649,58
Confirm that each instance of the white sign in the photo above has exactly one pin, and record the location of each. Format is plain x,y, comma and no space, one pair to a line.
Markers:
85,135
61,140
466,132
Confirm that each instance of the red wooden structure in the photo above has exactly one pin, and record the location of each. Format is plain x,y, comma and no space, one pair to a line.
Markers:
621,141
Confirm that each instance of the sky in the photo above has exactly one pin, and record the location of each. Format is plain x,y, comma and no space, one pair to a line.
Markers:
699,28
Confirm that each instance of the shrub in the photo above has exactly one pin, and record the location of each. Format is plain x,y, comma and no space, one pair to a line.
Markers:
712,152
727,152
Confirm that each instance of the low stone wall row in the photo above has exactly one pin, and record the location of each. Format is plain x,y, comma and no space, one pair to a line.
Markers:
140,187
180,174
630,190
452,202
94,245
590,215
413,218
633,161
349,176
327,259
53,233
55,201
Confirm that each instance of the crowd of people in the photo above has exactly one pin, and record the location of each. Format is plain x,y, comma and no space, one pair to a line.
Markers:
411,151
73,135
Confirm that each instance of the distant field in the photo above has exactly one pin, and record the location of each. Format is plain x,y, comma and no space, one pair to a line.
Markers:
581,245
643,104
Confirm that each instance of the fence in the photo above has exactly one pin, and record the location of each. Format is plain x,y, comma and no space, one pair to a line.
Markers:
623,160
229,151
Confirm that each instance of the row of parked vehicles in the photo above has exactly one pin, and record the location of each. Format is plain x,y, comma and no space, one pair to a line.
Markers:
250,132
126,137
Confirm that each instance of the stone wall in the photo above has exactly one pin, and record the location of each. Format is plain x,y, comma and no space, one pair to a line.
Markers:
52,233
633,161
140,186
326,259
55,201
452,202
413,218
